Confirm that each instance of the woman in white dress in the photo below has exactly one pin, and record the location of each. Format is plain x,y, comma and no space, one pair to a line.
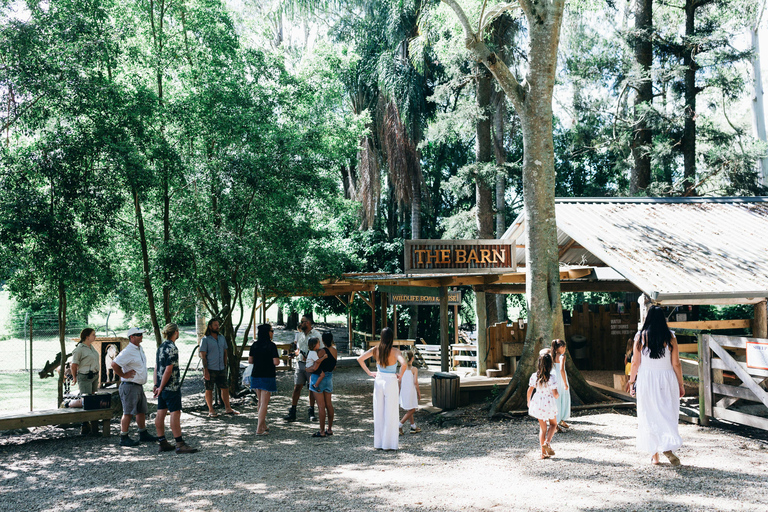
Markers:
385,390
657,380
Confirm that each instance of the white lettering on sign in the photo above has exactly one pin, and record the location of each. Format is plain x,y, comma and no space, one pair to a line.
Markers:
757,355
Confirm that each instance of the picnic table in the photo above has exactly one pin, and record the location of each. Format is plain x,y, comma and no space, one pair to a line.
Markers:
56,417
287,359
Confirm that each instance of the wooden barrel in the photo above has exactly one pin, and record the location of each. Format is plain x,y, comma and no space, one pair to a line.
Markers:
445,391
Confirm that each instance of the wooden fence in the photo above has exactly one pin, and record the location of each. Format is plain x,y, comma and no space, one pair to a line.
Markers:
725,380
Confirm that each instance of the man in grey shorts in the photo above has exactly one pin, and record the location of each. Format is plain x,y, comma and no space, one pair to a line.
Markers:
131,366
300,377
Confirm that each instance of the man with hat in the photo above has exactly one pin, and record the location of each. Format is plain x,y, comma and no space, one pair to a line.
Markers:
131,366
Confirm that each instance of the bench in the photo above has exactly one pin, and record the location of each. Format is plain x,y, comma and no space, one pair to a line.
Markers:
56,417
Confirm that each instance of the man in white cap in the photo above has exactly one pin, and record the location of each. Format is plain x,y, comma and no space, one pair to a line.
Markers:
131,366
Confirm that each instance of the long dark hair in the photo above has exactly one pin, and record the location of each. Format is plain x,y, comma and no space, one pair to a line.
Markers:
543,368
262,333
556,344
385,345
208,328
655,334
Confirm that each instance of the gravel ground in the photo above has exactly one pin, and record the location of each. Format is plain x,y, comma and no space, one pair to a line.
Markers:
458,462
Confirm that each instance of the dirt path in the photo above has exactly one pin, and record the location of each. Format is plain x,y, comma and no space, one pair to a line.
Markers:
475,465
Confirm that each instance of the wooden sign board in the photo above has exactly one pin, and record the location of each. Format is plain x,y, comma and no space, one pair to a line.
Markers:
481,256
757,355
407,299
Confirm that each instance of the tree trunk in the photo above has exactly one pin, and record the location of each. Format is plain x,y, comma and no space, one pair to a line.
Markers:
415,235
688,143
280,320
145,262
758,113
500,153
484,156
166,240
642,136
533,103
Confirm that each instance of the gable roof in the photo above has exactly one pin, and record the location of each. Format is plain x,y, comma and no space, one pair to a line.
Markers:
676,250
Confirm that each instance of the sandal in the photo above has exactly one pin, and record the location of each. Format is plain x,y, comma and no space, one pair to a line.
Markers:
549,449
672,458
232,413
329,432
318,434
544,456
213,415
265,433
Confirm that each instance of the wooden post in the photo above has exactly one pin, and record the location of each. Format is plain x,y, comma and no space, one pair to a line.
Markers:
482,332
455,324
384,310
760,325
444,346
30,363
373,314
350,336
394,319
705,381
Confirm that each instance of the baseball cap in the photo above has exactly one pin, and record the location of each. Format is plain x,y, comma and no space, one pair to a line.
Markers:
134,330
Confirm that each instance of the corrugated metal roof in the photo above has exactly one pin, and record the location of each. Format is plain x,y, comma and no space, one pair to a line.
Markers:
682,250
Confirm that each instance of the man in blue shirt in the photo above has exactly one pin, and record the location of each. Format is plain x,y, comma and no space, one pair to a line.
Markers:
213,351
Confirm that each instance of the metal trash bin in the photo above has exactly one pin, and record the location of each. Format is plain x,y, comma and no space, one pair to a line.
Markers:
445,391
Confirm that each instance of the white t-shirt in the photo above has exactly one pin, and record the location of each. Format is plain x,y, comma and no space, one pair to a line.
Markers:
302,341
311,358
132,358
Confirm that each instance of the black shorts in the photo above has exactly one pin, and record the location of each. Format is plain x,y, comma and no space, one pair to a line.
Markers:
170,400
218,377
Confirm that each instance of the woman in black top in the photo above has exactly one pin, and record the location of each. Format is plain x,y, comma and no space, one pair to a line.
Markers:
323,390
263,356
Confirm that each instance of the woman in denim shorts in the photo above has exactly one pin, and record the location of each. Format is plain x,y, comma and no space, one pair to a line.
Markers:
324,391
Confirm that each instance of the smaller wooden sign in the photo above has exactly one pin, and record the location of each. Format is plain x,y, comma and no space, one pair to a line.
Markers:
408,299
757,355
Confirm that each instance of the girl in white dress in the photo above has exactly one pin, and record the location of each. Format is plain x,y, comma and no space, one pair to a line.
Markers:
410,394
563,401
657,380
542,406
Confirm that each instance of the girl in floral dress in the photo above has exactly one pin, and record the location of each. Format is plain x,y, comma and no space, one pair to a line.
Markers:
543,406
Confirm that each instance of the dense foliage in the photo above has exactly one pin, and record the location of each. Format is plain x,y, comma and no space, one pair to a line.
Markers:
166,156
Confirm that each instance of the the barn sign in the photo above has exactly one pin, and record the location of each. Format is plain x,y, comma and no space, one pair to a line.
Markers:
487,256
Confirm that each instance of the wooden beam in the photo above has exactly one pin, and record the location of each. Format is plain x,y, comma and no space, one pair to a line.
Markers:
705,380
712,325
565,286
760,325
738,417
342,300
565,248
